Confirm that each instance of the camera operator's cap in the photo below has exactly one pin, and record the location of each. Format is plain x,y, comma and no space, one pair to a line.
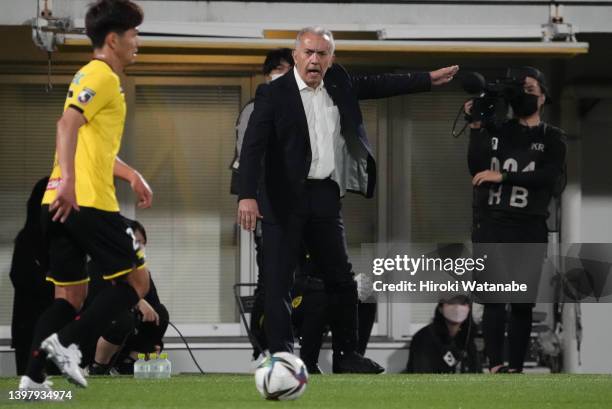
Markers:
527,71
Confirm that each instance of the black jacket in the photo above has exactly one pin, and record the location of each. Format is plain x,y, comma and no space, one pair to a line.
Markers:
278,129
533,160
432,350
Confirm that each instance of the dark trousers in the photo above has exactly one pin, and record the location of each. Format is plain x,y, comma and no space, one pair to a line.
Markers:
519,261
311,322
315,222
258,340
367,316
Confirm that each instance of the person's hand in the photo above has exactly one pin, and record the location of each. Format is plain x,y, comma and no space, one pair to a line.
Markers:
248,213
148,313
143,191
443,75
487,176
467,108
65,201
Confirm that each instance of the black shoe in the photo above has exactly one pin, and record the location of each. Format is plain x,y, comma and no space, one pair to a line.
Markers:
507,369
125,367
355,363
314,369
99,369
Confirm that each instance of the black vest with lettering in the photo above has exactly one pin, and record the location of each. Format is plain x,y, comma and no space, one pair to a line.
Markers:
517,148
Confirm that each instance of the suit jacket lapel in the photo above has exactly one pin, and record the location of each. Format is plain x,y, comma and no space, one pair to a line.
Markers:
338,95
296,104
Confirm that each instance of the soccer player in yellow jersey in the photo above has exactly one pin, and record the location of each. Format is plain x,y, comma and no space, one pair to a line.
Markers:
80,209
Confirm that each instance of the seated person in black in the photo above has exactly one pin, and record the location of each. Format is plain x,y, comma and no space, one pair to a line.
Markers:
29,266
447,344
138,331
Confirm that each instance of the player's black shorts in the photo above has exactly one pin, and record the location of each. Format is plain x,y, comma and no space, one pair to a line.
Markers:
104,237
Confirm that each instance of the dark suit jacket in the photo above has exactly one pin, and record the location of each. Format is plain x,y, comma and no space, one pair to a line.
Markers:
278,134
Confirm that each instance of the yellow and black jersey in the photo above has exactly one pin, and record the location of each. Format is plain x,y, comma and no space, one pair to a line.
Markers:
96,92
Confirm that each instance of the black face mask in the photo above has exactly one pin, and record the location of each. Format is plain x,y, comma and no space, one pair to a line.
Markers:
524,105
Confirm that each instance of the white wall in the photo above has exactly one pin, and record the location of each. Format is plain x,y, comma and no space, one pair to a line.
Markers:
352,16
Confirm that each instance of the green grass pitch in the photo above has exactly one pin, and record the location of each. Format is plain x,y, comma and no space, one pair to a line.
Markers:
338,391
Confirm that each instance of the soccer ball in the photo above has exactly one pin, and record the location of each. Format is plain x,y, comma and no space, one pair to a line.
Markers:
282,376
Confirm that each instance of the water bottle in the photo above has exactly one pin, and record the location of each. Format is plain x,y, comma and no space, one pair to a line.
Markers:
153,366
165,366
141,367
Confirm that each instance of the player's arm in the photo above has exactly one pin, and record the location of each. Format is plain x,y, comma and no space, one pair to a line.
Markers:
65,145
138,183
148,312
87,95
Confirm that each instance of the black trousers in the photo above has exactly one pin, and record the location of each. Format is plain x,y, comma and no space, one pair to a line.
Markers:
258,341
315,222
518,261
367,316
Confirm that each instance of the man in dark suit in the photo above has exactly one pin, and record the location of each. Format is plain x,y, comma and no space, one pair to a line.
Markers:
308,129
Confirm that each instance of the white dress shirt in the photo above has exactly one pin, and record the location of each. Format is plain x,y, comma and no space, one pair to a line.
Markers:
323,120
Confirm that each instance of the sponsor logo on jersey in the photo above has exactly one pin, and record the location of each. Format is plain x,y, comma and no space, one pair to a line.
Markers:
77,78
53,183
296,302
537,147
86,96
450,359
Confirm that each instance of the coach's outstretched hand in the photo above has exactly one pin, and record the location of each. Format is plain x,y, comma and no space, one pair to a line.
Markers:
443,75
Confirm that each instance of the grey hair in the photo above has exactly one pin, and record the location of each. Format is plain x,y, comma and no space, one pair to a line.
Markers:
320,31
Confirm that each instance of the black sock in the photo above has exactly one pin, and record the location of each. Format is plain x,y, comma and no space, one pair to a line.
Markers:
519,332
493,329
97,317
59,313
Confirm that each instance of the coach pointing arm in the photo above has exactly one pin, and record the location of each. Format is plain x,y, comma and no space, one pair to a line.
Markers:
261,126
443,75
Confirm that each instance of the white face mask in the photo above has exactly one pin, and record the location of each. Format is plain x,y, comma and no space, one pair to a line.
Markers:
456,313
275,77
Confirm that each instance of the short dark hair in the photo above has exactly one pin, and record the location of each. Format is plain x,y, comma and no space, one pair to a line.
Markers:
275,58
137,226
111,16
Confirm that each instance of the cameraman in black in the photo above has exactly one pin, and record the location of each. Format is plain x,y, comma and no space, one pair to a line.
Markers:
515,164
